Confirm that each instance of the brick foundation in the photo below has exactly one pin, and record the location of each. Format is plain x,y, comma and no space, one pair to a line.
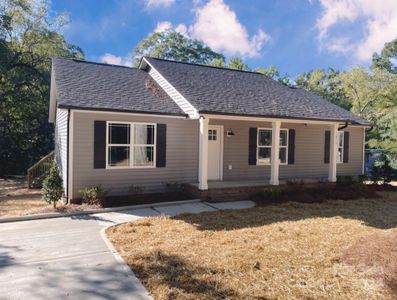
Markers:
222,194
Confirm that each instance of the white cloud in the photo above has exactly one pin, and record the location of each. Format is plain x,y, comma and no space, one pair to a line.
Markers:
165,25
379,17
217,25
109,58
158,3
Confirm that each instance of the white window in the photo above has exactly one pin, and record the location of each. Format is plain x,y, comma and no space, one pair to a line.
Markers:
341,144
130,145
264,146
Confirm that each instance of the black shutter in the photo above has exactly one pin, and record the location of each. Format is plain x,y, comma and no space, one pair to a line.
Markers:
291,146
327,146
99,144
346,147
161,146
252,144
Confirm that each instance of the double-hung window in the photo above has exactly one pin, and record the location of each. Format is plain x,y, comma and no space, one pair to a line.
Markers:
341,145
264,146
130,145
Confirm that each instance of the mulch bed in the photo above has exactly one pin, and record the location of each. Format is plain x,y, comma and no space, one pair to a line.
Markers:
318,193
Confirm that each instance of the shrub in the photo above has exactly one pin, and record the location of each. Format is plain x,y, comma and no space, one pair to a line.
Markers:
344,181
382,171
52,185
135,190
94,195
272,194
172,187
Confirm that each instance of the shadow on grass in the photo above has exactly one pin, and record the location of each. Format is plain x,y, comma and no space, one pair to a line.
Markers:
180,277
379,213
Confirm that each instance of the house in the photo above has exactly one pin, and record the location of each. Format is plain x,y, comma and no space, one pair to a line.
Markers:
209,127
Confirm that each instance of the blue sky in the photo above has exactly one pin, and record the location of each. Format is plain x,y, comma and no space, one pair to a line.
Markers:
296,36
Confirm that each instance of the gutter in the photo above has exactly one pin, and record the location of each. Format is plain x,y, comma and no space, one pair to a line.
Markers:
344,126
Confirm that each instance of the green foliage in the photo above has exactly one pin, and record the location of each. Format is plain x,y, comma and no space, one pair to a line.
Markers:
237,63
384,59
28,39
324,84
94,195
174,46
172,187
218,62
52,185
344,180
135,190
271,194
382,171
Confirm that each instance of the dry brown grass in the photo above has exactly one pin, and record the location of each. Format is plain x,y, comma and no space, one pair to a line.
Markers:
287,251
17,200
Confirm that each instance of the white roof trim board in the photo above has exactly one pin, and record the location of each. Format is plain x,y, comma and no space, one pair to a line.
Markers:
178,98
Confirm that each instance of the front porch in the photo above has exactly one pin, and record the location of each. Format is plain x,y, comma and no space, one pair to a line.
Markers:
235,154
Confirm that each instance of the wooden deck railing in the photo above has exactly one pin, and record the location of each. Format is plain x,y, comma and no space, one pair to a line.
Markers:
36,173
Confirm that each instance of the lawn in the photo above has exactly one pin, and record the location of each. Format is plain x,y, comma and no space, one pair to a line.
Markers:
331,250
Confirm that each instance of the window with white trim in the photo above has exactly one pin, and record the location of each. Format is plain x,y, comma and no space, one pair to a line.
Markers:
130,145
264,146
341,145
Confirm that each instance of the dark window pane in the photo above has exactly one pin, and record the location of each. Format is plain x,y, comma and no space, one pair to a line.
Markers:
143,156
283,138
264,155
144,134
119,133
119,156
264,137
283,155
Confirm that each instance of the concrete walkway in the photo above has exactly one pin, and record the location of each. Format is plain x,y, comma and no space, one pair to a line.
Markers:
67,258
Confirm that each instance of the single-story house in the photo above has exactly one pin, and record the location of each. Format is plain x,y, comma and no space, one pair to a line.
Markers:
175,122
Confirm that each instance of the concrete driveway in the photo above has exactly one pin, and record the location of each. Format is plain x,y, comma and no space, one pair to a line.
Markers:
67,258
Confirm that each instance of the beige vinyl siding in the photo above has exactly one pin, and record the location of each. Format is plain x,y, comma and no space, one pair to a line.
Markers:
181,163
309,152
61,143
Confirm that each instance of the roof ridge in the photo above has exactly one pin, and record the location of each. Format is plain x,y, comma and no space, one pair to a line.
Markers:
92,62
207,66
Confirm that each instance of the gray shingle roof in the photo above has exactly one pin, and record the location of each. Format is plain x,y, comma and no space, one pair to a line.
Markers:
225,91
99,86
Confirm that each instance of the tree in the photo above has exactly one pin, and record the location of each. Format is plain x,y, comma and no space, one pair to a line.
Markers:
324,84
384,60
52,185
28,40
237,63
218,62
174,46
274,74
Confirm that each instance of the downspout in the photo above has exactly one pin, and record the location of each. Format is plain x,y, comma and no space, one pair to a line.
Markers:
344,126
68,158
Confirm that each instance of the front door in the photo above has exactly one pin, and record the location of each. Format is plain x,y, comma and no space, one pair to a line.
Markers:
215,159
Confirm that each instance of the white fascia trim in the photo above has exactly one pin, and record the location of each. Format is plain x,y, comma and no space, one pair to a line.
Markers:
53,101
171,91
93,111
265,119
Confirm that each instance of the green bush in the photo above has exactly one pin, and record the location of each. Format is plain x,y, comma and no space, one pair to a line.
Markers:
135,190
94,195
344,180
382,171
52,185
172,187
272,194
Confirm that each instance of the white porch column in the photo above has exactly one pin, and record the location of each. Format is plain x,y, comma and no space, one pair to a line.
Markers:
333,152
275,161
203,153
